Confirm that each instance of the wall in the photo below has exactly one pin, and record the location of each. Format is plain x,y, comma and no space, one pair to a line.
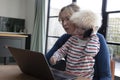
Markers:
23,9
13,8
30,15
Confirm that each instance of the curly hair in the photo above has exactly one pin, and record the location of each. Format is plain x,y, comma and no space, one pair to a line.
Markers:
86,18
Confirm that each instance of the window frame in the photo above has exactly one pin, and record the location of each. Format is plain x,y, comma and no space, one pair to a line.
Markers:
102,30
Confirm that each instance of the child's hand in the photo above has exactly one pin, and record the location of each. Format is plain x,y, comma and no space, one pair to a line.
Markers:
53,60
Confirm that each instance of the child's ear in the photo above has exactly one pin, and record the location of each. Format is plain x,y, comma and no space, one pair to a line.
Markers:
88,32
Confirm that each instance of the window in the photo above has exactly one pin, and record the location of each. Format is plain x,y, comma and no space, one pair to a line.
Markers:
113,32
113,5
55,29
88,4
113,38
110,9
56,5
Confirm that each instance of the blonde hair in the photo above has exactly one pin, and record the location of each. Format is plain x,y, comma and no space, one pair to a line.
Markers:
69,9
86,19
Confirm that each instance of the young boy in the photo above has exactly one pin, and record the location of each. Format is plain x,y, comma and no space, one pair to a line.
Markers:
82,47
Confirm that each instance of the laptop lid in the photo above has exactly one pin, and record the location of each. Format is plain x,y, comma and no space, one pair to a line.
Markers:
32,63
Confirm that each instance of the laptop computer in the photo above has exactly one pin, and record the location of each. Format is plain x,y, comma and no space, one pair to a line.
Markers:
35,64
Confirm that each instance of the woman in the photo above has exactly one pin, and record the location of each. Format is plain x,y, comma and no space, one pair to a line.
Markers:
81,48
64,16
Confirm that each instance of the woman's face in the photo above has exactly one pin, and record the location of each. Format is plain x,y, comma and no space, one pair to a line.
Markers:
67,25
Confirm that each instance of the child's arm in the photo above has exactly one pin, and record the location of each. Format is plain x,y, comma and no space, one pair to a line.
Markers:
93,46
53,60
60,53
56,57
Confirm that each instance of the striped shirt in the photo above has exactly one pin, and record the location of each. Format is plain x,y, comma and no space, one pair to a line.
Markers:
80,55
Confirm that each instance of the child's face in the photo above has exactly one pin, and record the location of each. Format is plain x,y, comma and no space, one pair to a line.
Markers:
79,31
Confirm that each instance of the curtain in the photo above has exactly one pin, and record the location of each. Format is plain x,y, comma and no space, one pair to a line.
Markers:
39,34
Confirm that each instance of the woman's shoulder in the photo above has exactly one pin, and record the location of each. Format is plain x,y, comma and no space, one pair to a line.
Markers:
65,36
63,39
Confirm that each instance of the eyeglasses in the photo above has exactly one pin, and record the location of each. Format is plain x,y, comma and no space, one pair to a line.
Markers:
66,19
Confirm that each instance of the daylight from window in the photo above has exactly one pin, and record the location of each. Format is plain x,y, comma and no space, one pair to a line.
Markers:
113,5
